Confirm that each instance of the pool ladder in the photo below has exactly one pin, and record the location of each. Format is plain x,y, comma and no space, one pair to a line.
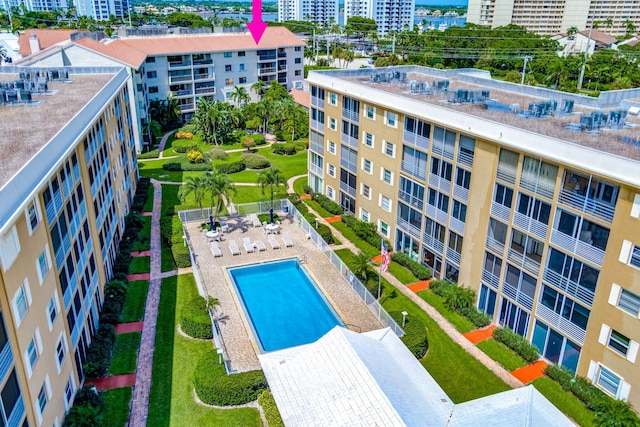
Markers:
302,259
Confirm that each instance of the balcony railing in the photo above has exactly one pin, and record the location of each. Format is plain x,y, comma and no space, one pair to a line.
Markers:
317,102
178,64
500,210
460,193
495,245
413,170
17,413
444,151
410,199
407,226
266,70
349,140
456,225
537,186
203,61
6,358
454,256
206,90
317,170
588,205
204,76
350,115
507,174
440,183
180,78
184,92
513,293
316,147
522,260
554,319
437,214
433,243
465,158
577,246
569,286
490,279
187,106
415,139
315,124
349,190
527,223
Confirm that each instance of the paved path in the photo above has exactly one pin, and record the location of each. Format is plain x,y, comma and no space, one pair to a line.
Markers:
140,400
163,142
113,381
125,328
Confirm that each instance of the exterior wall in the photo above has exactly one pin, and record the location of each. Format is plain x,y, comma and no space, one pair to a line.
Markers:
320,12
391,15
558,270
52,287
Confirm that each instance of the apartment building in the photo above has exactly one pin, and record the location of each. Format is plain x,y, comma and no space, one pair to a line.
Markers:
320,12
67,179
536,208
390,15
35,5
188,67
550,18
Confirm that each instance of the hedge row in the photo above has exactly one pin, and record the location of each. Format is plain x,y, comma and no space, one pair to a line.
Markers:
415,337
323,230
460,299
142,194
115,293
418,270
183,164
255,161
288,149
171,232
230,167
99,353
218,389
328,204
87,409
517,343
270,409
183,145
195,320
365,230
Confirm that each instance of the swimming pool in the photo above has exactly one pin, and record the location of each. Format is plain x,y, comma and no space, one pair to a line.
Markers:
283,305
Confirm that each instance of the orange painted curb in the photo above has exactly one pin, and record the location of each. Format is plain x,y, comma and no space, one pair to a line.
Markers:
305,196
419,286
531,372
480,334
333,219
139,276
114,381
136,254
125,328
147,214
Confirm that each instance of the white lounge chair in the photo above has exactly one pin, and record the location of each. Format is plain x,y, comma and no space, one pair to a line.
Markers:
288,243
273,242
259,245
255,221
246,242
215,250
224,227
233,247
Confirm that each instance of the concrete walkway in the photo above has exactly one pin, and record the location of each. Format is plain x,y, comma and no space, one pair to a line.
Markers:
140,400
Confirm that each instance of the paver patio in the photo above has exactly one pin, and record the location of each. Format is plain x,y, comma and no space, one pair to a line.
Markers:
480,334
531,372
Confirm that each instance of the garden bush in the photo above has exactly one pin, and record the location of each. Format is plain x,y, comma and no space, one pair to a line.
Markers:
181,255
153,154
183,135
328,204
195,320
214,388
87,396
561,375
99,353
479,318
259,138
365,230
591,395
415,337
196,167
115,293
172,166
141,195
418,270
307,189
300,145
183,145
287,149
270,409
324,231
229,167
517,343
217,154
255,161
195,156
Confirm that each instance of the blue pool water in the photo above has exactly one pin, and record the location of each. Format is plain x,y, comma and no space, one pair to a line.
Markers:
283,305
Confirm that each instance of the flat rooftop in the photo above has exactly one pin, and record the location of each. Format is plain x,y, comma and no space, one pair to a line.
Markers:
27,128
555,126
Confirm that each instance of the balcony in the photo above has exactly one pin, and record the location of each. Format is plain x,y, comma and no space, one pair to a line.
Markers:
204,76
413,170
453,256
315,124
513,293
495,245
186,106
588,205
527,223
460,193
415,139
204,61
465,158
577,246
554,319
349,190
536,185
440,183
317,102
411,199
350,115
317,170
180,78
178,64
490,279
569,286
506,173
6,359
407,226
349,140
266,70
500,211
435,213
456,225
183,92
436,245
523,260
208,90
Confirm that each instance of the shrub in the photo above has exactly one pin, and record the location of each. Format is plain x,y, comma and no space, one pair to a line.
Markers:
226,390
183,135
307,189
280,135
365,230
517,343
415,337
83,416
230,167
195,156
217,154
99,353
327,204
300,145
561,375
255,161
172,166
591,395
182,146
324,231
115,293
287,149
479,318
195,320
181,255
141,195
259,139
418,270
270,409
196,167
87,396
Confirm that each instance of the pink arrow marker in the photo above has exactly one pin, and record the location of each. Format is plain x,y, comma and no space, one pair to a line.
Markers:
256,26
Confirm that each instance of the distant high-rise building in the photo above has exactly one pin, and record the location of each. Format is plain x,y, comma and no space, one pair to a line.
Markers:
316,11
35,5
615,17
388,14
100,10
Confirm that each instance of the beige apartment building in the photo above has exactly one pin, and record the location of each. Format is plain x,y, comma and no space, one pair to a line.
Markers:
67,178
529,196
553,17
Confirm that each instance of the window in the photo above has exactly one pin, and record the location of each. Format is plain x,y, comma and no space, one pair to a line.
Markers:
384,228
52,311
31,355
459,211
463,178
61,352
241,53
366,191
608,380
69,392
152,74
389,149
366,165
153,89
635,257
364,215
228,54
503,195
241,67
297,73
9,248
297,48
297,61
32,216
441,168
438,200
534,208
455,242
43,265
368,140
330,193
385,203
21,301
332,123
332,170
228,68
242,80
629,302
331,147
618,342
333,99
228,81
370,112
391,119
42,400
150,60
387,176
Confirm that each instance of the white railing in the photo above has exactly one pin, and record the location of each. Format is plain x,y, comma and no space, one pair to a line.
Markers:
456,225
207,89
439,182
527,223
415,139
460,193
433,243
569,286
204,76
414,171
501,211
444,151
182,78
520,259
349,140
454,256
317,170
437,214
587,205
513,293
506,174
350,115
317,102
315,124
349,190
410,199
407,226
465,158
554,319
490,279
536,185
495,245
577,246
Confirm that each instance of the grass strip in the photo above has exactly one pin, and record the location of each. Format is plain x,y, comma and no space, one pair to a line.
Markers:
566,402
143,241
125,353
402,274
141,264
350,235
134,304
298,185
501,354
116,406
461,323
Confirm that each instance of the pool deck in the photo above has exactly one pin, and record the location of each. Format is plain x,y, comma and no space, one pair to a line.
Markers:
240,344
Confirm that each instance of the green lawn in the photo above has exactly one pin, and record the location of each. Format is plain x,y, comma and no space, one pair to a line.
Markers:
298,185
148,205
125,353
171,402
566,402
133,309
140,264
461,323
153,169
116,406
501,354
353,237
319,209
246,194
402,274
143,240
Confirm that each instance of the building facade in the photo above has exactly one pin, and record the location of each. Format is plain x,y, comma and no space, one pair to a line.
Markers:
390,15
35,5
65,191
100,10
539,215
556,17
320,12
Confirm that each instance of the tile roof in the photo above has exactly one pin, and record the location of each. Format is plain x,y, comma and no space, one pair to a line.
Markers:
134,50
46,38
599,36
301,97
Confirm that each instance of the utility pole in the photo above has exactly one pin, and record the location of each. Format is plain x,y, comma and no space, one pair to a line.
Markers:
584,63
393,46
524,68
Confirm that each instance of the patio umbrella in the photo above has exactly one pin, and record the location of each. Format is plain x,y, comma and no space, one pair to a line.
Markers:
211,222
271,215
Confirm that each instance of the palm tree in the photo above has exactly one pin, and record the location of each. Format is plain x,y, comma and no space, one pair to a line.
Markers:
615,413
271,178
361,265
196,185
258,88
220,188
240,95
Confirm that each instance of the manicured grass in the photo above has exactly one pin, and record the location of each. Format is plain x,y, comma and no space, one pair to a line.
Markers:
353,237
319,209
140,264
148,205
171,402
566,402
143,240
133,310
461,323
166,259
116,406
125,353
298,185
250,194
501,354
153,169
402,274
